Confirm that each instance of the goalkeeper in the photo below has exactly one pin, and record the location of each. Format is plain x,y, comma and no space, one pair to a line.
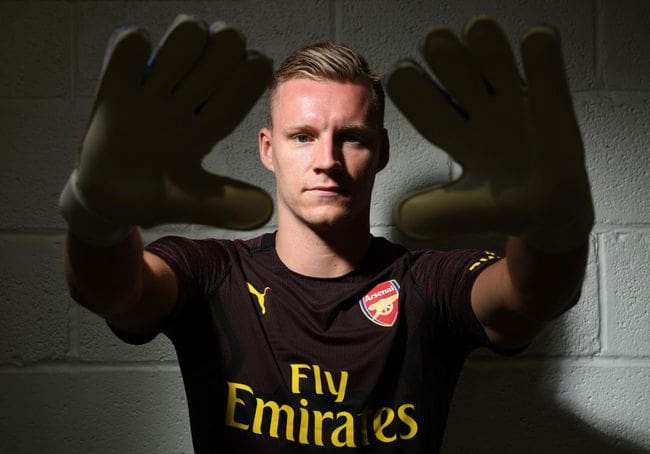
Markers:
321,336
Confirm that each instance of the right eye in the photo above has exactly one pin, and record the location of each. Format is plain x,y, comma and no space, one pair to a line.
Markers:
301,138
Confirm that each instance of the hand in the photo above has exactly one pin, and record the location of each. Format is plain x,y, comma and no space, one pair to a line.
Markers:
518,142
152,124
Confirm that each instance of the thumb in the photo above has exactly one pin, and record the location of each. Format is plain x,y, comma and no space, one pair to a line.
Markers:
444,209
220,202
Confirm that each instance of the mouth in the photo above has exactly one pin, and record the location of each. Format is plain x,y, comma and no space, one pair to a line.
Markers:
326,191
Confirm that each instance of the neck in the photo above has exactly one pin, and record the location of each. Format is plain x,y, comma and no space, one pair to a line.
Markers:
322,254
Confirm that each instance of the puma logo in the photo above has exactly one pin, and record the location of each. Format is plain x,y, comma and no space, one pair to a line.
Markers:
260,296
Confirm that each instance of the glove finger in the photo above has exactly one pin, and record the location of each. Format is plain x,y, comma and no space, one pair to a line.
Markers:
542,58
220,202
225,50
489,46
180,49
454,67
439,209
549,94
228,106
425,105
124,64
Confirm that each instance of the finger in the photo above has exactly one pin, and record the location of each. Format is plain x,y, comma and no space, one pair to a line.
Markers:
542,58
424,105
224,51
454,67
179,51
441,210
220,202
228,106
550,97
125,62
489,46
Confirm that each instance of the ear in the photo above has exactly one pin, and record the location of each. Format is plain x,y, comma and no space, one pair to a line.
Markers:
384,150
265,148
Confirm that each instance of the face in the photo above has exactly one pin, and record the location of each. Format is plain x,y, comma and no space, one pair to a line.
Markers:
324,152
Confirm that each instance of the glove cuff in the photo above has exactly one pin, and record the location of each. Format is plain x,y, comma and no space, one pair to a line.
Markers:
85,224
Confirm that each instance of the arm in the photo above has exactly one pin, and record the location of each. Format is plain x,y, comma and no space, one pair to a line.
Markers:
523,169
514,298
132,289
140,164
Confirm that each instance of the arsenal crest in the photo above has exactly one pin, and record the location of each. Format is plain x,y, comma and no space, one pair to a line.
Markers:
381,304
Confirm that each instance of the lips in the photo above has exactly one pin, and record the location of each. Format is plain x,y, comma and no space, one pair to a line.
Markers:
326,190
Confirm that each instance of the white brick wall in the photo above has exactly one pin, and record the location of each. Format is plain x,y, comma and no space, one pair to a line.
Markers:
67,385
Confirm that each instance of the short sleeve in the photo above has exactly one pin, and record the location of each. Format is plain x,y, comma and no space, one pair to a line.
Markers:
198,265
446,278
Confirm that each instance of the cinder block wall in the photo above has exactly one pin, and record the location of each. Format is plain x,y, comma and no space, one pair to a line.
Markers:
68,386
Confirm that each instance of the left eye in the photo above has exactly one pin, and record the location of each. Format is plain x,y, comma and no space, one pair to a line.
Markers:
353,138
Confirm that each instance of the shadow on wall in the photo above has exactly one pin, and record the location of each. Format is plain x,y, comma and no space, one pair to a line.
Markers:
512,409
512,405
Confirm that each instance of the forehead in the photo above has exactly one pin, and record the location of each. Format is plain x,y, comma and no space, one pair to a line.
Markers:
304,99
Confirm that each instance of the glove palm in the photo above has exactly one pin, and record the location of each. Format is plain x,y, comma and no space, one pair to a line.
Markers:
519,145
152,124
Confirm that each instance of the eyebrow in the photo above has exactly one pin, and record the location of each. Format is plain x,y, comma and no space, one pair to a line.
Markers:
349,127
358,128
298,128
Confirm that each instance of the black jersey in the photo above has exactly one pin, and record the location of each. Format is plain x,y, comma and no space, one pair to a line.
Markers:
273,361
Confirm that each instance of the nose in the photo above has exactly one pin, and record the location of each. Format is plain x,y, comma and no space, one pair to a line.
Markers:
327,155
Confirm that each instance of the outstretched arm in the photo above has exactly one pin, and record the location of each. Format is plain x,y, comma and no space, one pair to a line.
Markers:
523,169
132,289
515,298
153,121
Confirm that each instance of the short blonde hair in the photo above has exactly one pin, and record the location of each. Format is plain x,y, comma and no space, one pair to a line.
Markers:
330,61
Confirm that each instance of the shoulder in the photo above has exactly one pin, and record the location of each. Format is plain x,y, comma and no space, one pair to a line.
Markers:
201,262
253,246
177,245
458,260
175,248
436,270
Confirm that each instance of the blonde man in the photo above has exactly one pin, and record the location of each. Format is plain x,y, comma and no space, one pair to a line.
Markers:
321,335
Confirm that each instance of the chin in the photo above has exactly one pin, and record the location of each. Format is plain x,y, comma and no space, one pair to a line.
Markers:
325,222
332,219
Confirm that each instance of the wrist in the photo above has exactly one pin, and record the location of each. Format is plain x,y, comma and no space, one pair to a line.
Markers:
563,236
84,223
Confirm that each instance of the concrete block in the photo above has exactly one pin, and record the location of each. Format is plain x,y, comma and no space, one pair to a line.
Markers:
34,301
35,43
566,407
625,44
98,343
209,232
627,294
394,29
616,136
93,410
39,142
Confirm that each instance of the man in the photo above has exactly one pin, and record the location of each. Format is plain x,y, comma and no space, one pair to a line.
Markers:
321,337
